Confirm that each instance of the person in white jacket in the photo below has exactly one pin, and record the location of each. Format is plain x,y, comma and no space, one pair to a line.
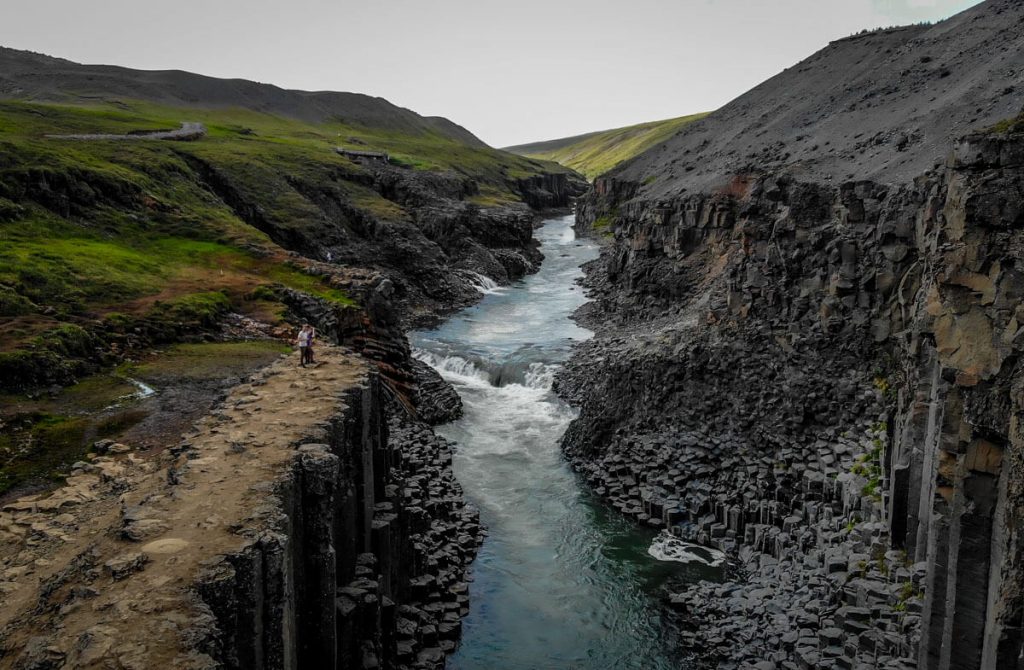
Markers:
305,342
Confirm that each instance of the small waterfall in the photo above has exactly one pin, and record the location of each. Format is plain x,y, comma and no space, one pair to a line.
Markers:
532,375
483,283
453,365
145,390
540,376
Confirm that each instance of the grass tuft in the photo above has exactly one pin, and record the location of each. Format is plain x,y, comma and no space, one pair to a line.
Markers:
1012,125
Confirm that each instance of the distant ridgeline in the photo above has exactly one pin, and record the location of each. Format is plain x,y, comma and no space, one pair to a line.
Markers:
595,153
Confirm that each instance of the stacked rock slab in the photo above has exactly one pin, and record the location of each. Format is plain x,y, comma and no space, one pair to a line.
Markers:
824,380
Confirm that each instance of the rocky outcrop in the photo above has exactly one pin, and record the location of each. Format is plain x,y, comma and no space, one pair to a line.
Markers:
822,380
306,523
66,193
436,401
376,557
431,241
550,190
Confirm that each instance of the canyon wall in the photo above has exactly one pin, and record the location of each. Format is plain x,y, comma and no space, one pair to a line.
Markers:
358,558
309,521
823,380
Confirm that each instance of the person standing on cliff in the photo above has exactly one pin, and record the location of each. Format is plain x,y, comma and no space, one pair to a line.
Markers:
305,342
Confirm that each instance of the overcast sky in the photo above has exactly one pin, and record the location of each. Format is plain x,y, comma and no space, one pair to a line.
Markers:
511,71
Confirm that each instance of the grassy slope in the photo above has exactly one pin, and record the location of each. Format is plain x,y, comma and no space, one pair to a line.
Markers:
595,153
117,237
90,227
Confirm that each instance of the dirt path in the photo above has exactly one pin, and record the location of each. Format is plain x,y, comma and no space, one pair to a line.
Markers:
189,130
98,573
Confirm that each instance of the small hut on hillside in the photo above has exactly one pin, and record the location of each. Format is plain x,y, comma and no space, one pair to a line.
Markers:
364,156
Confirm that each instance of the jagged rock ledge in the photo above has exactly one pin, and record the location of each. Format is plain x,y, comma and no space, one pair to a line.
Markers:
298,525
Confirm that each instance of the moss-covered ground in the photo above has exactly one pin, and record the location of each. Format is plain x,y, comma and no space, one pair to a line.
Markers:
202,361
1013,124
41,435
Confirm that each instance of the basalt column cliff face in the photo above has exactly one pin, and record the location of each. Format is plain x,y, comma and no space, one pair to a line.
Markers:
823,378
328,533
836,387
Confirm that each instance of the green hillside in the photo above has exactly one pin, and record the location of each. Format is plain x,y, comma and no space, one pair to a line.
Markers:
112,247
94,230
595,153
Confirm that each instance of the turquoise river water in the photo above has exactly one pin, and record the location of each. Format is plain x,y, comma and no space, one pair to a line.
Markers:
561,583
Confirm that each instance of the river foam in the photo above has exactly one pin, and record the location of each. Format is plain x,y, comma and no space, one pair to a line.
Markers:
668,547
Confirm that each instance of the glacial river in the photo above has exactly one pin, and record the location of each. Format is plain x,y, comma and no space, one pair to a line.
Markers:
561,583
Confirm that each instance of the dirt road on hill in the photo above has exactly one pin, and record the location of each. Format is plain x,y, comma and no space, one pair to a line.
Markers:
189,131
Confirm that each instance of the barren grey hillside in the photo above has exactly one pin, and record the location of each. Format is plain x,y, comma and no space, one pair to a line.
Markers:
884,105
809,354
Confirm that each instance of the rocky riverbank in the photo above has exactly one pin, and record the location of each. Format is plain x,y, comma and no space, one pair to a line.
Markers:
328,533
822,381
